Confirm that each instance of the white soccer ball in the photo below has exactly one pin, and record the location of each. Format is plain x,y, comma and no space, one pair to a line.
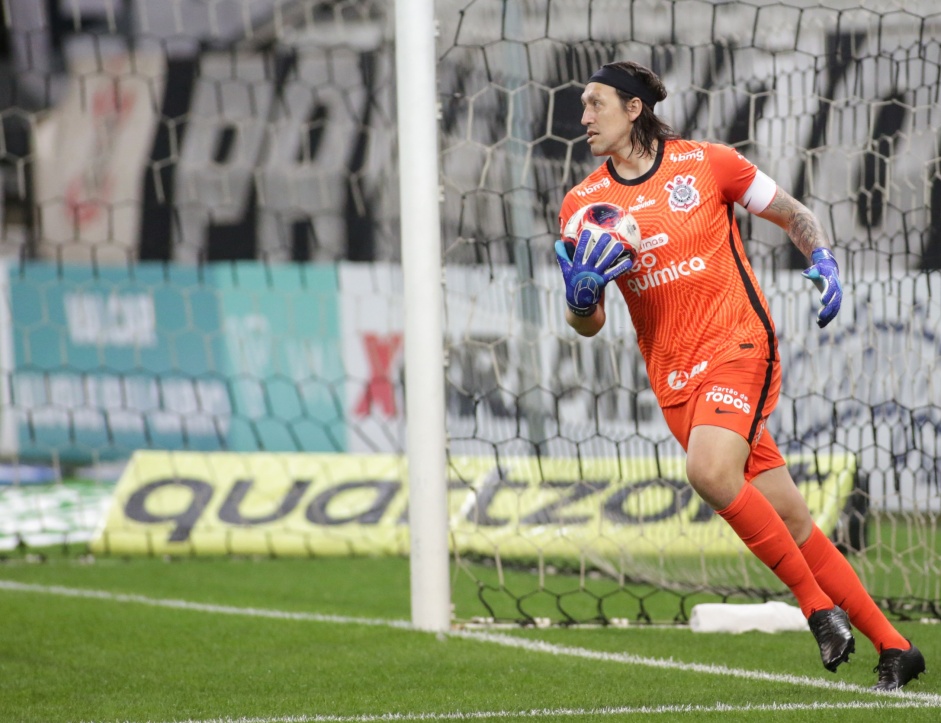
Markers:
601,218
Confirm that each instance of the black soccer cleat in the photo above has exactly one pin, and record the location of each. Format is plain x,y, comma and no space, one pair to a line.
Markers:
831,628
897,667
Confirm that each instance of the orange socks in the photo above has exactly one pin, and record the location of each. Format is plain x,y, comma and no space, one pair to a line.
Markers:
840,581
817,573
765,534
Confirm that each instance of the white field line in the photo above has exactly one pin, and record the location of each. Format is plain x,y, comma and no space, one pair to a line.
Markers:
199,607
537,713
510,641
894,699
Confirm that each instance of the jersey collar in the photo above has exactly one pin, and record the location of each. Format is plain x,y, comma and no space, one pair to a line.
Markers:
640,179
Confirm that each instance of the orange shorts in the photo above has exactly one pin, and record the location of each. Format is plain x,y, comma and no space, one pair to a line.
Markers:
738,395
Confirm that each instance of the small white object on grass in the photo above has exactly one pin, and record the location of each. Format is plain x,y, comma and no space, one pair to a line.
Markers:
769,617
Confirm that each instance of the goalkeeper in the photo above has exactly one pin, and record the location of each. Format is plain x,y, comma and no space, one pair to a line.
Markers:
706,334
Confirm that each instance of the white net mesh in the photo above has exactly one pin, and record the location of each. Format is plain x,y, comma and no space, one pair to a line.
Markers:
837,103
145,143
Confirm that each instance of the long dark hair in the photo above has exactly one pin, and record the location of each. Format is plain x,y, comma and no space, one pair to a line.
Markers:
649,128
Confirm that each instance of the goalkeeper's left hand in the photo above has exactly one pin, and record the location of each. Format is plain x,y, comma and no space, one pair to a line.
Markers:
587,271
826,277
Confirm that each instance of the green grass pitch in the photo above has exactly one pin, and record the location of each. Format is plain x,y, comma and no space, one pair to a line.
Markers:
262,641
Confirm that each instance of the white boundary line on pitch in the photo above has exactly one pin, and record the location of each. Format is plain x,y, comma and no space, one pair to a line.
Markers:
911,699
575,712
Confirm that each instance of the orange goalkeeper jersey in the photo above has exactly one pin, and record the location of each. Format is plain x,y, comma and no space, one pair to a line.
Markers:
692,294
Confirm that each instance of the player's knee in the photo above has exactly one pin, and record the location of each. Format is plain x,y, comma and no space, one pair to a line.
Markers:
798,521
706,470
716,482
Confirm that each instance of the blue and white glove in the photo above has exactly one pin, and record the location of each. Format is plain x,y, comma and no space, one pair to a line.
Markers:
587,270
826,277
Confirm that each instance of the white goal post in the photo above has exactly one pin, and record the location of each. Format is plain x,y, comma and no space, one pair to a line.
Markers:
420,225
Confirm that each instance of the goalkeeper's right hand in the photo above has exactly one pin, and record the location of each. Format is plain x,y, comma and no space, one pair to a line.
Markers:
587,270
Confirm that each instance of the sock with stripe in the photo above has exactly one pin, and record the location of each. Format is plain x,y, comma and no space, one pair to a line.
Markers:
839,580
763,531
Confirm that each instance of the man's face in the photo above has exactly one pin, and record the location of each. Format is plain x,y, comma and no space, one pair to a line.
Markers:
608,124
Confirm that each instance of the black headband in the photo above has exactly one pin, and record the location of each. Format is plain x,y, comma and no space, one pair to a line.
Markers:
623,80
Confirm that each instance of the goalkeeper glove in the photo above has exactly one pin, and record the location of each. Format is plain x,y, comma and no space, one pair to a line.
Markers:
587,270
826,277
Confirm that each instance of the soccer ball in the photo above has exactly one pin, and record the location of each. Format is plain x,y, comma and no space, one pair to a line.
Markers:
601,218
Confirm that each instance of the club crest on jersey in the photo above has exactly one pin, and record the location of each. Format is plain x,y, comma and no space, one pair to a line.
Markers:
683,194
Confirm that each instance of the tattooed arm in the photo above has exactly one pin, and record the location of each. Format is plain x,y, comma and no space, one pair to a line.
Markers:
801,226
808,235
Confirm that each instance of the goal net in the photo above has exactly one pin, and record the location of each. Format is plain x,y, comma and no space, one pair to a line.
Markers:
840,108
201,255
838,105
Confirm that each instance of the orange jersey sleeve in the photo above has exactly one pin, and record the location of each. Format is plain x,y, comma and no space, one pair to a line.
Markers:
733,172
692,294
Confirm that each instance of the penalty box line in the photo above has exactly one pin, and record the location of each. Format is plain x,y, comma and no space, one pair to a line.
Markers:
930,700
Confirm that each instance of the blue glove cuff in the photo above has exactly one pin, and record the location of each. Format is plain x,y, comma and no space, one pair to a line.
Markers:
583,311
822,254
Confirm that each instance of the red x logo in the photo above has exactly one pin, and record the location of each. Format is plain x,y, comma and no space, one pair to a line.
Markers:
380,353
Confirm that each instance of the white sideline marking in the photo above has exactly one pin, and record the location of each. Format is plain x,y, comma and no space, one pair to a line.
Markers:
897,699
200,607
571,712
929,699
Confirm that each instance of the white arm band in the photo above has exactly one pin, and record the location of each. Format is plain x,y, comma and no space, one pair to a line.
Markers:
759,194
